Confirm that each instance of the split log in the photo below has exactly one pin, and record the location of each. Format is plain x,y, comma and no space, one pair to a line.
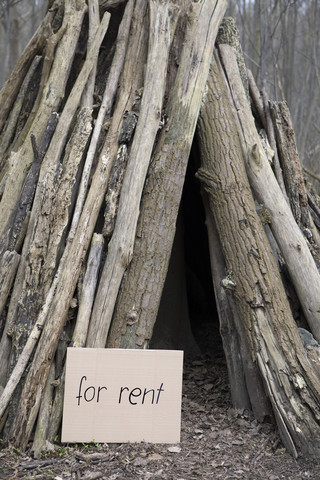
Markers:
94,22
40,435
115,185
8,267
261,104
272,141
88,292
290,163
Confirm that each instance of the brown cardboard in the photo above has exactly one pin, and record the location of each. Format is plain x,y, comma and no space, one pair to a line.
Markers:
122,395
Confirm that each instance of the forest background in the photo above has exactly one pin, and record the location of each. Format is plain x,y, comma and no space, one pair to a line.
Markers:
281,44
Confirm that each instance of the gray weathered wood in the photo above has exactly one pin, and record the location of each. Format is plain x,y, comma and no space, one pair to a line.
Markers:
142,285
8,266
290,382
60,294
121,245
88,291
104,111
290,162
301,266
233,339
20,161
11,87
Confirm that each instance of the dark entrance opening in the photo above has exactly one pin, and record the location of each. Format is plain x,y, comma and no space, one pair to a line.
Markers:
187,317
200,293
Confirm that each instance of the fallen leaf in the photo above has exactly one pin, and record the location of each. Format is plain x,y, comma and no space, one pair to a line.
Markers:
237,442
139,461
154,457
174,449
208,386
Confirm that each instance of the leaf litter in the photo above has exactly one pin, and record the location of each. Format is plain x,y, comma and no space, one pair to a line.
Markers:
217,442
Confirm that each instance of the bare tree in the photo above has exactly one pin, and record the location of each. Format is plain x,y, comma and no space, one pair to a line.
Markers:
281,42
18,21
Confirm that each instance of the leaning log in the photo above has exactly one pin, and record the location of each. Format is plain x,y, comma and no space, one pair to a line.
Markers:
141,290
253,277
300,263
161,17
54,90
233,337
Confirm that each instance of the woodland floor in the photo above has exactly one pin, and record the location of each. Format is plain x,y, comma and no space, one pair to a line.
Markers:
217,442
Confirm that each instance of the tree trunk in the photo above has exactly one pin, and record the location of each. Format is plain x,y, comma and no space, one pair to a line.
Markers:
253,277
233,336
300,263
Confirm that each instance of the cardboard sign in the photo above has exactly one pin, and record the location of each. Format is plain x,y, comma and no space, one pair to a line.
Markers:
120,395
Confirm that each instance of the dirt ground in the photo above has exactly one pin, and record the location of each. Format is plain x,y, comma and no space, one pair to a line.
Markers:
217,442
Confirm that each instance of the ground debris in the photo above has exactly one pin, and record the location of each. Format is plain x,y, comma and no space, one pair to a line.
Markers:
217,442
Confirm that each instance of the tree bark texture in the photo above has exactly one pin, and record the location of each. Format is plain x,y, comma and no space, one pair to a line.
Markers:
235,344
142,286
290,163
300,263
121,244
54,90
253,277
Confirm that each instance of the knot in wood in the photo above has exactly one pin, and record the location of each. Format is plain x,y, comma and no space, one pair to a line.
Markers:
256,303
129,123
228,282
264,214
132,317
254,155
208,180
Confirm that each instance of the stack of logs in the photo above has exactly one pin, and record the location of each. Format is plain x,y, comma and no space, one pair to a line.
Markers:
97,121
